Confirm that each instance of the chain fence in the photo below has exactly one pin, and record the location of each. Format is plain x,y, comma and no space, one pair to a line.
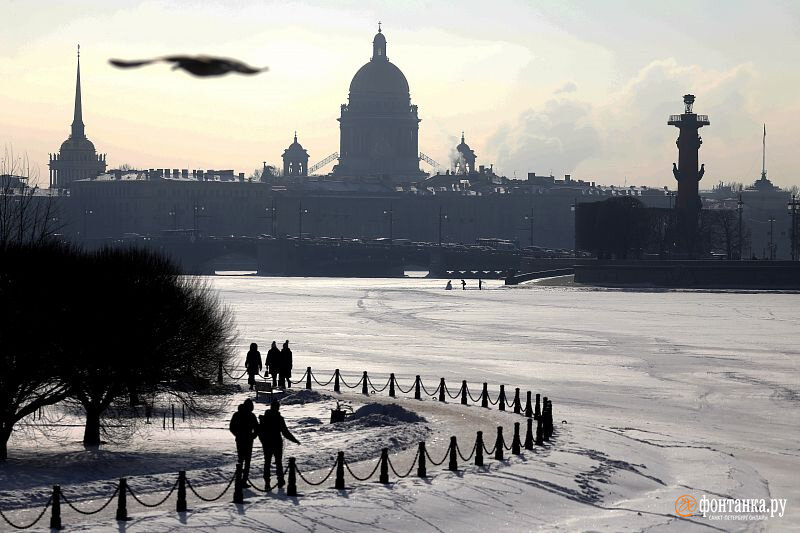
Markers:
544,431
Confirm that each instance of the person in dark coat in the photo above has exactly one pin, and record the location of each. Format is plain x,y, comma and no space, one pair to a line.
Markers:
285,366
244,426
273,363
271,431
253,364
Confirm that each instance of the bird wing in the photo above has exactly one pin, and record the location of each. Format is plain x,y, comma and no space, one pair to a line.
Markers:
122,63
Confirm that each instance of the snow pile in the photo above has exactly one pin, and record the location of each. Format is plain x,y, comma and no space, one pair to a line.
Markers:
374,415
303,397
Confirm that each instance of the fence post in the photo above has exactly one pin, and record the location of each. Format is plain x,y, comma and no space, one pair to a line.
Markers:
219,373
238,495
548,420
391,386
122,503
517,406
515,443
164,421
498,445
528,406
336,381
464,392
291,487
421,471
173,416
417,394
539,433
453,464
55,515
538,411
441,389
479,449
501,400
529,435
180,506
308,378
364,380
384,477
485,395
339,471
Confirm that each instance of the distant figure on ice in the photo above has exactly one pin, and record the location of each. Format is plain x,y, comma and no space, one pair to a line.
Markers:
253,364
449,286
463,285
285,367
271,430
273,363
244,427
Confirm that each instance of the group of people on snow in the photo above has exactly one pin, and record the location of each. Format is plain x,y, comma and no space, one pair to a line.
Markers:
278,365
270,428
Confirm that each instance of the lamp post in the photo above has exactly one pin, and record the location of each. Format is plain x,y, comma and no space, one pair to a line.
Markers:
771,242
300,213
390,213
197,211
271,213
442,217
86,214
739,209
794,210
529,218
173,213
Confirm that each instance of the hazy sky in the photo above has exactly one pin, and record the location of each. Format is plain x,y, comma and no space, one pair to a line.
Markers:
550,86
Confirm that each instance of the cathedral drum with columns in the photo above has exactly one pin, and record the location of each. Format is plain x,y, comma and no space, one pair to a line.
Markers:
379,126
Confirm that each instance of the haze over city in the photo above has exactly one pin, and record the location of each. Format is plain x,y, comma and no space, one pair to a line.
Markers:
577,88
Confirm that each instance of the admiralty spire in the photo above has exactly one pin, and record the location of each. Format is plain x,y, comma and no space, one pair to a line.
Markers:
77,159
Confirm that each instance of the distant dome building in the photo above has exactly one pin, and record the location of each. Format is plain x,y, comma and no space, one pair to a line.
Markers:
77,159
465,164
295,160
379,126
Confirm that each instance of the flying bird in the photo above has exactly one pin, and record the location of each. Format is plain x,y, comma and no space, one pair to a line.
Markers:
201,66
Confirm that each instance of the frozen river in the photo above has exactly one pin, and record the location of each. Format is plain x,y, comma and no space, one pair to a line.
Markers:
662,394
702,387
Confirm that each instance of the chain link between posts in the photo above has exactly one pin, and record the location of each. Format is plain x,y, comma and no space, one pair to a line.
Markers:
28,526
474,400
467,459
316,484
426,390
446,455
347,465
87,513
341,378
375,389
295,382
411,468
162,500
318,382
457,394
411,388
191,488
233,377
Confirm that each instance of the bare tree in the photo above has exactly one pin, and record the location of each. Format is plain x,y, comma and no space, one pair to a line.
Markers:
150,331
27,214
29,354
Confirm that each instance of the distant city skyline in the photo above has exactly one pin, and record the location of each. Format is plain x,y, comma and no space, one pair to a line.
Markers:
570,88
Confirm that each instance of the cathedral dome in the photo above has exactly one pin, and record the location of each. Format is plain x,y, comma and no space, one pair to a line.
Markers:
72,144
379,78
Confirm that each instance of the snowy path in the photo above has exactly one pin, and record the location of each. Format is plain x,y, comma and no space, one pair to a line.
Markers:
665,393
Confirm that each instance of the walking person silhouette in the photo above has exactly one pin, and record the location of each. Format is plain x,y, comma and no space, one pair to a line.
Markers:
273,363
285,366
253,364
271,431
244,426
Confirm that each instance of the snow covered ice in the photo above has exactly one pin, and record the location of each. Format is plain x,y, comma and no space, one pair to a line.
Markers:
664,393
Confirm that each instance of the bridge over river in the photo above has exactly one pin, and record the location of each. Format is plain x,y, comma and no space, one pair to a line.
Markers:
332,257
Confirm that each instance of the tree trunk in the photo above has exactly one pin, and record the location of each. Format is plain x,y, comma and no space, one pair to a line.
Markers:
5,434
91,433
